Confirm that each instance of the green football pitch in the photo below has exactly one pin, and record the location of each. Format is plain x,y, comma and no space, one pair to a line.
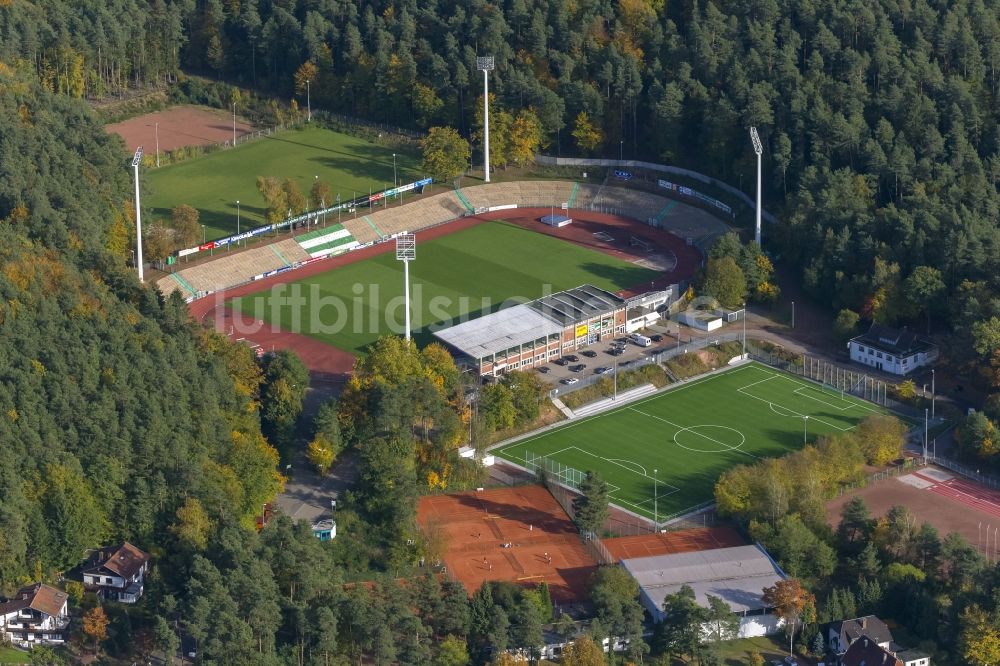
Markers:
214,183
467,273
685,438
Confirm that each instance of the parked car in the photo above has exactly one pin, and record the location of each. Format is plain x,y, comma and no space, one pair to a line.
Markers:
656,338
570,380
617,351
589,353
544,369
572,358
602,370
561,361
579,367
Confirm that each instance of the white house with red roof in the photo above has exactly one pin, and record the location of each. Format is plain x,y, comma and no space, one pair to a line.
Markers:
37,613
117,573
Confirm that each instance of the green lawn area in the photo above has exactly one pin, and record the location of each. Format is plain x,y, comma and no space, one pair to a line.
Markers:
471,272
9,655
691,434
214,183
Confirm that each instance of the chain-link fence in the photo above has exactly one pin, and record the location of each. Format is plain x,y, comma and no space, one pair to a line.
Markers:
969,472
905,467
836,377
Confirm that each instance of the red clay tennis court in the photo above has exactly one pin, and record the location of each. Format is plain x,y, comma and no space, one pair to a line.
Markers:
681,541
516,534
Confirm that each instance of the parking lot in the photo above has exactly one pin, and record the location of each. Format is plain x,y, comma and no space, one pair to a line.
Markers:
598,356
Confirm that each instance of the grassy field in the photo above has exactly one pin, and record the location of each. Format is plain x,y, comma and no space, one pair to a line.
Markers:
692,434
9,655
215,182
469,272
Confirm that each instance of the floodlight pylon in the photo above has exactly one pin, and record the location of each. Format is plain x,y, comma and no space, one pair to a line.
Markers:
136,160
406,251
486,65
759,149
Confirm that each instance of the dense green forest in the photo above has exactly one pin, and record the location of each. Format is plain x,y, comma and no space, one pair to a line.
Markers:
119,419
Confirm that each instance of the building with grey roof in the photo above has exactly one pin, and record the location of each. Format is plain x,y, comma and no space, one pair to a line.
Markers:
736,575
534,333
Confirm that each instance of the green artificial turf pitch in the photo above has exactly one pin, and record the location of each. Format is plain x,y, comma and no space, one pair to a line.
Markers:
214,183
692,434
470,272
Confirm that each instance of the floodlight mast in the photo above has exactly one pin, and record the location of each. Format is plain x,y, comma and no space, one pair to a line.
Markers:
406,251
759,149
138,220
486,64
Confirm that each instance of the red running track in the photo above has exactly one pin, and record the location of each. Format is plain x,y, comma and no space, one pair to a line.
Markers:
335,364
969,494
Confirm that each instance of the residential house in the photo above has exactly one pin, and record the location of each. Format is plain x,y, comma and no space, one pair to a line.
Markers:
841,635
38,613
866,652
876,642
913,657
117,573
891,350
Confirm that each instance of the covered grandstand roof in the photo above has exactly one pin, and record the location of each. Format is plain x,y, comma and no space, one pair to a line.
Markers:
736,575
521,324
498,331
573,305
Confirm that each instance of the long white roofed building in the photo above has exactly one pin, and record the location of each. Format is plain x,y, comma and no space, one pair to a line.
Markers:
534,333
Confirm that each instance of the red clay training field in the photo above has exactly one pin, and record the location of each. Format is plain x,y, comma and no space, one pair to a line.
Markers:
681,541
947,501
179,126
328,361
543,543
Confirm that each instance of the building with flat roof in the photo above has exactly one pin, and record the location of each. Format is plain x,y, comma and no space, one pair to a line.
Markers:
530,334
737,575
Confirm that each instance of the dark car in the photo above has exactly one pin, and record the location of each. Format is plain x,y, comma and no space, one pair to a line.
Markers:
579,367
601,371
561,361
656,338
571,358
589,353
544,369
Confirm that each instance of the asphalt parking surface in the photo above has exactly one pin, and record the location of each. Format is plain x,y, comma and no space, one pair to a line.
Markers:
633,352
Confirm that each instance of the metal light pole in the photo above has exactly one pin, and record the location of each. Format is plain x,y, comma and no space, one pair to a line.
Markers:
933,395
656,497
744,330
805,429
138,215
309,110
234,124
486,64
237,217
621,150
156,132
395,181
757,148
406,251
793,314
926,418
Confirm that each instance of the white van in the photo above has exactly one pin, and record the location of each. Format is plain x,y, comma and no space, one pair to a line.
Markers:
640,340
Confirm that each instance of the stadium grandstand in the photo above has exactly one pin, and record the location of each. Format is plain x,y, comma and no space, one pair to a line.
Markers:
377,225
534,333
